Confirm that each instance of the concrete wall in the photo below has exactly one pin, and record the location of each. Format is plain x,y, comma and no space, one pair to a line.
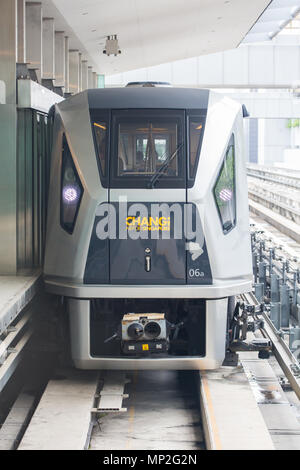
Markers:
273,138
291,158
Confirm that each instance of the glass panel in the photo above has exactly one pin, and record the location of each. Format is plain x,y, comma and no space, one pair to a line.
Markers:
71,190
100,134
196,129
148,149
224,190
143,147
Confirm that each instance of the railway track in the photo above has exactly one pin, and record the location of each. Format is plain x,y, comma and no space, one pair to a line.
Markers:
282,200
275,197
280,176
163,412
159,410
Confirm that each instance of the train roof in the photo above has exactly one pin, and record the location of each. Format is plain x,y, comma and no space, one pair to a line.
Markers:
148,97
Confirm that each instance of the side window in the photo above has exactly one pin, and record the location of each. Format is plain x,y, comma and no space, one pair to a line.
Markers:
196,130
224,190
71,189
100,130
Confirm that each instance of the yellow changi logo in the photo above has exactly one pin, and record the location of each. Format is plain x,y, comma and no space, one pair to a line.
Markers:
148,223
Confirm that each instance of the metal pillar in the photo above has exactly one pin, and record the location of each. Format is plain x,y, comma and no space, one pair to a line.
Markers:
74,71
274,288
259,291
8,131
285,306
80,72
294,340
275,314
84,74
90,77
59,71
262,269
67,65
34,37
95,84
48,49
21,36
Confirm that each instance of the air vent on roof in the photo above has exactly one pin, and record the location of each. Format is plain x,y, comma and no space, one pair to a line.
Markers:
148,84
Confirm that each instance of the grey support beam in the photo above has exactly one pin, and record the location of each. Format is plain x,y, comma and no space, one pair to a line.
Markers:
34,37
21,36
8,131
95,81
84,74
80,71
67,65
59,59
90,77
73,71
48,49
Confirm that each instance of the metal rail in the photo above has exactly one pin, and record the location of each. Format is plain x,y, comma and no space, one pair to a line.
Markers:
285,203
284,356
276,271
280,176
285,226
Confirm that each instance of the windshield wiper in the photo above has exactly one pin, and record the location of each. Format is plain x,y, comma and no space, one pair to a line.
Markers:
162,169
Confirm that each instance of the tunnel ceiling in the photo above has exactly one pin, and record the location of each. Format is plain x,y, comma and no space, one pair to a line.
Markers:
153,32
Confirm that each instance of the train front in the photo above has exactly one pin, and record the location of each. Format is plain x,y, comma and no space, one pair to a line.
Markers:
148,229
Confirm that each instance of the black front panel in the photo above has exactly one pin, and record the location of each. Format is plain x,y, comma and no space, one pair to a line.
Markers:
160,252
97,263
106,316
167,257
128,262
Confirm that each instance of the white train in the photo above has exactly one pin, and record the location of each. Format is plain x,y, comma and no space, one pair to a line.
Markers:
148,229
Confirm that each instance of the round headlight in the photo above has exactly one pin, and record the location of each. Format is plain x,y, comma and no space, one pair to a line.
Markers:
152,329
135,330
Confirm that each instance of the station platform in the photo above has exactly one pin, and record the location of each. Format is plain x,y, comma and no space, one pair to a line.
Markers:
15,293
230,414
242,408
62,418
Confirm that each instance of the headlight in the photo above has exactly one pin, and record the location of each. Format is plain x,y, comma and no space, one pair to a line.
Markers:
71,189
135,330
152,329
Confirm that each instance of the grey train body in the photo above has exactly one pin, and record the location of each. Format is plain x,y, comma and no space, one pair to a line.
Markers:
148,226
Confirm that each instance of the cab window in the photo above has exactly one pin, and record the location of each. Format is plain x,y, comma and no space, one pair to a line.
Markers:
148,145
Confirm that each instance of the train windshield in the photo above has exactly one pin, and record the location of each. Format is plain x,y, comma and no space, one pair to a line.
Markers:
148,149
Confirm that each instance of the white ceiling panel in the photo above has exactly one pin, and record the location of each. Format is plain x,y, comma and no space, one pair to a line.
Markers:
153,32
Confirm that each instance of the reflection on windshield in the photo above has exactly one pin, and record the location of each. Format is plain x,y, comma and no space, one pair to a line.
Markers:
144,147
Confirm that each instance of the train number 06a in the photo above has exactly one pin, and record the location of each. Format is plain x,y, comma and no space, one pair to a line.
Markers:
195,272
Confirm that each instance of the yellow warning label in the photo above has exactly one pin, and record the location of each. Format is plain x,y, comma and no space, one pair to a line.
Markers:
151,223
145,347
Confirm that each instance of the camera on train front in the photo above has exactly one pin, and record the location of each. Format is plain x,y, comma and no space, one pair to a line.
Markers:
144,333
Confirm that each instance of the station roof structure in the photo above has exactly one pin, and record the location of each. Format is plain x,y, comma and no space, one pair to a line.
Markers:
278,14
154,32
